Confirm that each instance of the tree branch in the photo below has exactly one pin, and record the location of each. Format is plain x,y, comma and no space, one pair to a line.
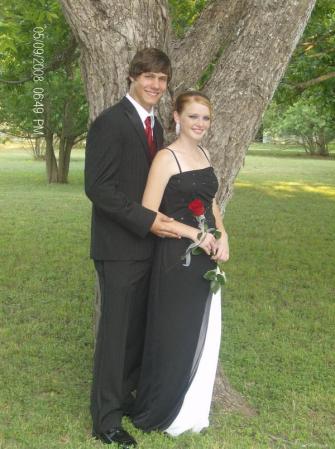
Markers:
315,40
24,80
18,135
191,55
305,84
64,58
80,138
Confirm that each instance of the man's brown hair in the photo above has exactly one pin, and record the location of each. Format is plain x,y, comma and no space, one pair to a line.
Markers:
150,60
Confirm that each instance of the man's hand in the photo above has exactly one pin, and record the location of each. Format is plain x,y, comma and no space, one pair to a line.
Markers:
162,227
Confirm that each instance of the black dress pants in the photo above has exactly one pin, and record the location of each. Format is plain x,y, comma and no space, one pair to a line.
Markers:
119,345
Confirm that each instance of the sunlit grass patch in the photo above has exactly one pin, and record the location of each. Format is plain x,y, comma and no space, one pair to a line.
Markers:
289,188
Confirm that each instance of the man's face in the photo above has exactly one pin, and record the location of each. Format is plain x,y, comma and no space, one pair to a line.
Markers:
147,89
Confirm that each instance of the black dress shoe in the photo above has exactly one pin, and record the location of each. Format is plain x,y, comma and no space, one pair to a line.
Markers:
116,435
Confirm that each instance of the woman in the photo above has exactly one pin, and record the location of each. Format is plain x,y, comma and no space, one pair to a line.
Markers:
184,319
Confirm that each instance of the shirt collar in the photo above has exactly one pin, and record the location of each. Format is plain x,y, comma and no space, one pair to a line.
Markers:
142,112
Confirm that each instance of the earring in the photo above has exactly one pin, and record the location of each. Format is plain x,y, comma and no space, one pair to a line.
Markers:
177,128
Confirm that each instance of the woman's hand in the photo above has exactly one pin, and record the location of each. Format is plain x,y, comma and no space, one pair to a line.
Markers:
221,251
208,243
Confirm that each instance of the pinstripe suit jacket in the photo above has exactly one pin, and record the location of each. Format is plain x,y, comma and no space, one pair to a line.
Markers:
116,168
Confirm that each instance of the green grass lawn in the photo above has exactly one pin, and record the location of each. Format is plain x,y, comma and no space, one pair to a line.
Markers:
278,311
285,150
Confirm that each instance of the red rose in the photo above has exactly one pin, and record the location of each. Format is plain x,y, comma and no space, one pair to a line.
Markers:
197,207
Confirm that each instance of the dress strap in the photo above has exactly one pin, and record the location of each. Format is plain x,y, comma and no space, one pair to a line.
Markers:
204,154
167,148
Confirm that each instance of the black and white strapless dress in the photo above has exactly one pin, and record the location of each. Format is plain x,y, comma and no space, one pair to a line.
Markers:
183,323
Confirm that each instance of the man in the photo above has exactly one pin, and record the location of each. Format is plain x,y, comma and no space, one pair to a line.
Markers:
120,146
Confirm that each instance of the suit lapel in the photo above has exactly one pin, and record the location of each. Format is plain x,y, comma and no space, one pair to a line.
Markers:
135,120
158,134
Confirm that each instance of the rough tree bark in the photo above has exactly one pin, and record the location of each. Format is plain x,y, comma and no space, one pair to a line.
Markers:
246,76
50,159
109,34
65,147
202,43
256,38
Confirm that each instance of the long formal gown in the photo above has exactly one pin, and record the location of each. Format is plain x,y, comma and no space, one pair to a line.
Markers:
184,321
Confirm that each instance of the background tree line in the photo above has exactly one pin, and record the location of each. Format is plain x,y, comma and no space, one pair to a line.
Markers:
303,106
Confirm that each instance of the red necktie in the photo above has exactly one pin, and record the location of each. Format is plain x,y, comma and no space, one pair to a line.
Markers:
150,139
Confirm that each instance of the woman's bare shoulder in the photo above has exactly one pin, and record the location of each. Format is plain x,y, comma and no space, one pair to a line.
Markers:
165,156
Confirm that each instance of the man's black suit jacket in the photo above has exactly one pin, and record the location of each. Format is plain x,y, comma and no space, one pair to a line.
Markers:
116,168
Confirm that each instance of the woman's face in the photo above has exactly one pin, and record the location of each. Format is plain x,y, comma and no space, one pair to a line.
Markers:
194,120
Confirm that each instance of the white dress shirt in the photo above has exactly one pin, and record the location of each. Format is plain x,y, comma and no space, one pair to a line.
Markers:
142,112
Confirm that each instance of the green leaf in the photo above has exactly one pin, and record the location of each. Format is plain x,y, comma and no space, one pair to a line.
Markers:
197,251
215,286
210,275
23,50
221,279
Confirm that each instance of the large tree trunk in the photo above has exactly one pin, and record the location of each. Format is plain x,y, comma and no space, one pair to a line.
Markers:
216,25
321,142
256,39
66,140
246,76
50,159
65,147
109,34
